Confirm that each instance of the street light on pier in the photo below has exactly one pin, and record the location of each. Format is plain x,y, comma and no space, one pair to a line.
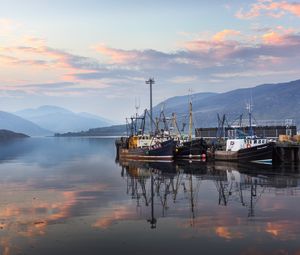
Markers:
151,81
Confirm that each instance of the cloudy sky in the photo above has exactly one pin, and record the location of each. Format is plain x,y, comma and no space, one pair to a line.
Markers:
95,56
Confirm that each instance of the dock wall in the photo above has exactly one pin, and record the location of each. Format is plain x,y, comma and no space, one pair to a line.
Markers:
286,152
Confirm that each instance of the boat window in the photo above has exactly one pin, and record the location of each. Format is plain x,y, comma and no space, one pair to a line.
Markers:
259,141
255,141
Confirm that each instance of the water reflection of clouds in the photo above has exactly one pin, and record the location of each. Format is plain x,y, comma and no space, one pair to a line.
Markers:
283,230
29,213
115,214
227,233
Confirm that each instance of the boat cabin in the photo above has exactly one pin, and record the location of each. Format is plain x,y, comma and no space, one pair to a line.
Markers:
141,141
238,144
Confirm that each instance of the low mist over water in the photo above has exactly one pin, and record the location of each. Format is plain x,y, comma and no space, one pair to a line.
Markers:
70,196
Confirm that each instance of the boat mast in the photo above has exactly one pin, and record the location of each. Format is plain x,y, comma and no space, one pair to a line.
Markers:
150,82
175,125
249,108
137,106
190,117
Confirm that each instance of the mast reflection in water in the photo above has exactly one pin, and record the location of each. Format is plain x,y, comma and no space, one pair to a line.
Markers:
174,190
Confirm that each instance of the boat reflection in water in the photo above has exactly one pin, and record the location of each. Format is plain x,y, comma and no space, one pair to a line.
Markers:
185,189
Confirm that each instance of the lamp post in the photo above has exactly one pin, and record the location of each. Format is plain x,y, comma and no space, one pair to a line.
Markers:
151,81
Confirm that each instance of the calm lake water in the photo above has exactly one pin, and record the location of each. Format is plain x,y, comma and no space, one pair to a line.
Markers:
70,196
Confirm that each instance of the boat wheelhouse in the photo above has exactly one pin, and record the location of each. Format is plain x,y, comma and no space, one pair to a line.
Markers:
247,142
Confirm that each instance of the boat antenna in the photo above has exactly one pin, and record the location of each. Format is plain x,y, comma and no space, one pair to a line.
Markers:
137,105
151,82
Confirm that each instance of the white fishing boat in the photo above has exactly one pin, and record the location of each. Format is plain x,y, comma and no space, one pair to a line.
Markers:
246,149
241,147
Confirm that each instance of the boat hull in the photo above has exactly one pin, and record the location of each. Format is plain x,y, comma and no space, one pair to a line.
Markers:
164,151
191,149
258,153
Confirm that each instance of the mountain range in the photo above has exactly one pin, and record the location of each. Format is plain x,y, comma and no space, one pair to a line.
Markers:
47,120
9,121
59,119
270,102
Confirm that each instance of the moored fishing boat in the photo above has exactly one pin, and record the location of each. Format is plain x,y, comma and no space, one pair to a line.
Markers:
146,148
190,148
139,145
249,147
195,148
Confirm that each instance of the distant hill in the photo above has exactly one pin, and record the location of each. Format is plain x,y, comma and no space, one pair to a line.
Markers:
96,117
115,130
17,124
181,102
59,119
7,135
270,102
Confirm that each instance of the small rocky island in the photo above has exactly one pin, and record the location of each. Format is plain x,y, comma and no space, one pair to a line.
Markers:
7,135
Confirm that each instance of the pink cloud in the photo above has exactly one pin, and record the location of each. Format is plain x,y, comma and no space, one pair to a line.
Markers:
271,8
293,8
13,61
272,38
33,52
213,50
116,55
221,36
280,36
7,59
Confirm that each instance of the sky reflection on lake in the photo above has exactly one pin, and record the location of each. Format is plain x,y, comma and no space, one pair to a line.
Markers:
69,196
